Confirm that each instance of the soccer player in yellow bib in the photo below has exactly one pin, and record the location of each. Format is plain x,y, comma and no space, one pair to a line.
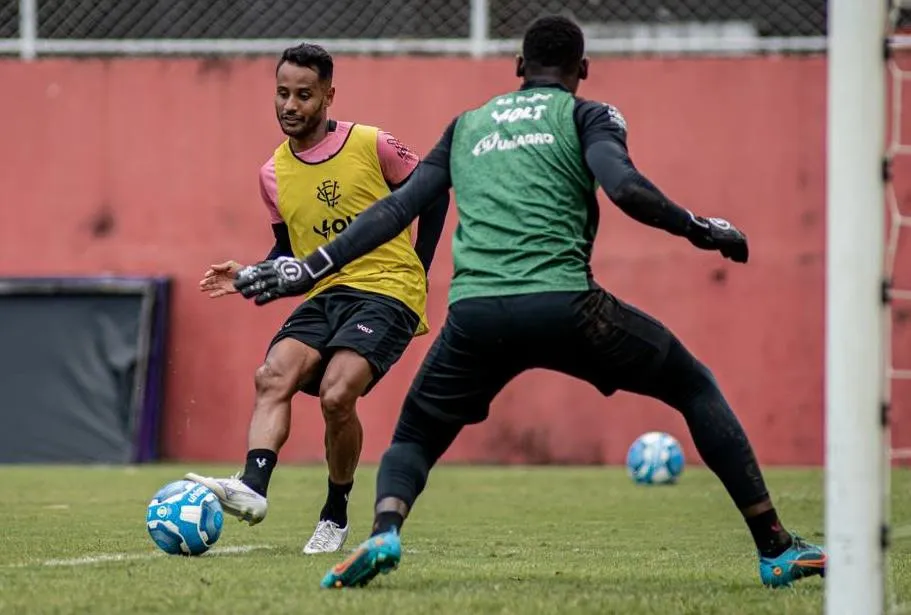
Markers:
355,324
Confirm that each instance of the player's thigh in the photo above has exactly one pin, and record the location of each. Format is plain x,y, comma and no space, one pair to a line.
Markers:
287,366
619,347
374,333
299,345
466,367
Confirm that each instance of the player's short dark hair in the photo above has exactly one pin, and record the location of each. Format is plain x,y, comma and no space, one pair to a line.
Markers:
554,41
310,56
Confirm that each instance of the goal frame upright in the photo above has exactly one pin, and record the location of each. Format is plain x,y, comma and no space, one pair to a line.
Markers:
856,431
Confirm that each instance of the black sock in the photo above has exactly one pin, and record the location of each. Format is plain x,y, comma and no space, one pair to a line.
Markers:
771,538
336,507
258,471
385,521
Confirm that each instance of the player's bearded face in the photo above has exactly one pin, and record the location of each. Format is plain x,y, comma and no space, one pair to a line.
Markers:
301,100
299,125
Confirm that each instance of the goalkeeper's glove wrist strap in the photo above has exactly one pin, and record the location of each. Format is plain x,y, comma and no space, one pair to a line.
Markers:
319,264
698,226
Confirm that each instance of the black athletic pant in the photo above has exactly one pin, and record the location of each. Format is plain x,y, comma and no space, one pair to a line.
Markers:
486,342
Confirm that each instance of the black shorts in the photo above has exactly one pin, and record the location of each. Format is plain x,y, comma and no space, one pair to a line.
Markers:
375,326
486,342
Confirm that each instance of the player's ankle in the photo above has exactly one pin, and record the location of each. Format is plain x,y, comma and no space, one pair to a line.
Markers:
338,517
258,469
336,507
769,534
386,522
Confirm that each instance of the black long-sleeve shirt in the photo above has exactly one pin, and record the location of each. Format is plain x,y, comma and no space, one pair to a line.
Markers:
431,220
602,134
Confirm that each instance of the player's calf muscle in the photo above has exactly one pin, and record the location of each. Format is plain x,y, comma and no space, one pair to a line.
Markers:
277,379
347,377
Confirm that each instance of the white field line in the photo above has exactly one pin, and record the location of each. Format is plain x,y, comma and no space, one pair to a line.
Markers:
124,557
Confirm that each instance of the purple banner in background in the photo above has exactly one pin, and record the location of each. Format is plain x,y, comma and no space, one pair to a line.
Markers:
97,360
147,442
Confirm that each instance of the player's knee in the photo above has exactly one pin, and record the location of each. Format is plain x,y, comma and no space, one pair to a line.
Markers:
273,381
407,454
338,399
686,378
701,371
698,381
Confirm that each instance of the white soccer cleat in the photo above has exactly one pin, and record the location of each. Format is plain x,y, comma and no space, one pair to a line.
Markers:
236,498
327,538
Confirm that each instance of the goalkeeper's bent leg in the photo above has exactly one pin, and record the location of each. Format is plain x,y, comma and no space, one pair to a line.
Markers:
418,442
689,386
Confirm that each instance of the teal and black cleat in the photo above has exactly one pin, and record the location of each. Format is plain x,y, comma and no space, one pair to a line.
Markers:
378,554
801,560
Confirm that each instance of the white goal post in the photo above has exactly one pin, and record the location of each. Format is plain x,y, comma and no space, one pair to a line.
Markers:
856,447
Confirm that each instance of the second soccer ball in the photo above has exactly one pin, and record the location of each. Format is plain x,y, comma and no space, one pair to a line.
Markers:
655,458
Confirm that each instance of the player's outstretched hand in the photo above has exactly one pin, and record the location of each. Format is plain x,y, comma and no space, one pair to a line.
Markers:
271,280
218,281
719,234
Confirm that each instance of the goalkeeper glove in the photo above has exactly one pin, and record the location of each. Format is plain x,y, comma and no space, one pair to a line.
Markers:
283,277
718,234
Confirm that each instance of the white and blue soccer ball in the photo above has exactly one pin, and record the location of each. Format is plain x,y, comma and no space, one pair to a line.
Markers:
184,518
655,458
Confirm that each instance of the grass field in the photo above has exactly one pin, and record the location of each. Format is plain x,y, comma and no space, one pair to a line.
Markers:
482,540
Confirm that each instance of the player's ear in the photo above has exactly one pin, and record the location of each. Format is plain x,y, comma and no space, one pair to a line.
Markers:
583,69
520,67
330,95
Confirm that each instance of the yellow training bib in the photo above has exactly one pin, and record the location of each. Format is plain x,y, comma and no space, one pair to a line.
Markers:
318,201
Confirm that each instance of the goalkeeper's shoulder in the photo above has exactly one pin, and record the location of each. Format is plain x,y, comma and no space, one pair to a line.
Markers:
594,117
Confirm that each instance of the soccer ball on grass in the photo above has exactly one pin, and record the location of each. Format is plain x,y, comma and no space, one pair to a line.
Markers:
655,458
184,518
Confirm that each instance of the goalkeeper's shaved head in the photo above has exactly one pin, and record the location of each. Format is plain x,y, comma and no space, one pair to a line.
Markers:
553,49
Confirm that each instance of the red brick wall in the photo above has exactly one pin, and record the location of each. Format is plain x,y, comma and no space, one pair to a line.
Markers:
150,166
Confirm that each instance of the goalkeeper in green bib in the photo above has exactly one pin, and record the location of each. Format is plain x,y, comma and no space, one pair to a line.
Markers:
525,167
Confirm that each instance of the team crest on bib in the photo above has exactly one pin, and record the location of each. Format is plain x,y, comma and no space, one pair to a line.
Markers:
328,193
